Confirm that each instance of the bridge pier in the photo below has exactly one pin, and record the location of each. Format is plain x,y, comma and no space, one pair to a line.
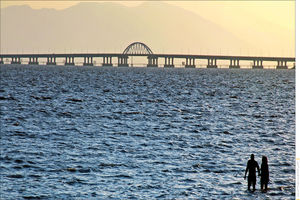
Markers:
107,61
190,63
152,61
1,61
88,61
257,64
212,63
16,60
123,61
169,62
69,61
281,64
234,64
51,60
33,61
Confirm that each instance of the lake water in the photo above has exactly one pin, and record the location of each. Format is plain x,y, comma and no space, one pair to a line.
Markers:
144,133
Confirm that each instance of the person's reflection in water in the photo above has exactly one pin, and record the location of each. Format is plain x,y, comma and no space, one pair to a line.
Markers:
251,167
264,179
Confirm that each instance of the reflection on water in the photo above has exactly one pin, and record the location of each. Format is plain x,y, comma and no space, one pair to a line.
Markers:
140,133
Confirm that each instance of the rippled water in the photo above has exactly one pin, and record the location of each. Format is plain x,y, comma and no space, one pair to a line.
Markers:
141,133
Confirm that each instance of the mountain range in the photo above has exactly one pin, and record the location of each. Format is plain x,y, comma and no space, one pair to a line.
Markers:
111,27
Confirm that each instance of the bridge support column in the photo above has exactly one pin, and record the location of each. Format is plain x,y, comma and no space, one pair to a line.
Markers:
51,60
257,64
123,61
16,60
33,61
234,64
212,63
88,61
169,62
190,63
152,61
69,61
107,61
281,64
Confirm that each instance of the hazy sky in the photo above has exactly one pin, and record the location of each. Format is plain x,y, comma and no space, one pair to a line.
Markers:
279,12
265,17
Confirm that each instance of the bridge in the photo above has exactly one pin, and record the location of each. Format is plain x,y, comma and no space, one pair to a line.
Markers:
138,49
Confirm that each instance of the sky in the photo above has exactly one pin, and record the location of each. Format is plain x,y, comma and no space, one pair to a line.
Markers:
239,17
279,12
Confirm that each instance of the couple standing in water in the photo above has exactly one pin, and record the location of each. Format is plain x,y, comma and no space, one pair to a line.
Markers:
264,175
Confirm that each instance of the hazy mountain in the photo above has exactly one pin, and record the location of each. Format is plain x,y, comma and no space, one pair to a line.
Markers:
110,27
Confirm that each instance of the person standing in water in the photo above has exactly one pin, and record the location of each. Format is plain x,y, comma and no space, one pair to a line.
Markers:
251,167
264,179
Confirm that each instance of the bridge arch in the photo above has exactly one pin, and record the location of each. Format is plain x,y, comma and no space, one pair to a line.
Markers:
138,48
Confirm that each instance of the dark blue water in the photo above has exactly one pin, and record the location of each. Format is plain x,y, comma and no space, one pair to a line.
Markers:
140,133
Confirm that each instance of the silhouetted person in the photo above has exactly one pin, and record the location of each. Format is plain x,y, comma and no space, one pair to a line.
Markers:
264,179
251,167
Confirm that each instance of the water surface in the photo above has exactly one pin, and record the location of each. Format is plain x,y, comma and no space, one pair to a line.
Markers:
141,133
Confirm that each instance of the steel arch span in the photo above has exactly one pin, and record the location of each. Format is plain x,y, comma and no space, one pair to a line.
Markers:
138,48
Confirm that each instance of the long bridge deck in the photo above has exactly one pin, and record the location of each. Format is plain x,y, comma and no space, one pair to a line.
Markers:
69,59
138,49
